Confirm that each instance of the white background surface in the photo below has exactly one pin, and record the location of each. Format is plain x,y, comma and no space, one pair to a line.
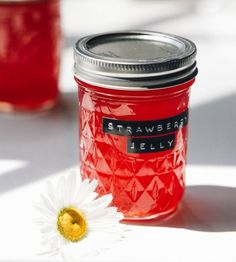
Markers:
34,147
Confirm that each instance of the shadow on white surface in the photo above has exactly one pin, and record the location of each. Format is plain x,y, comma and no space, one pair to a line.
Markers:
207,208
204,208
212,133
46,142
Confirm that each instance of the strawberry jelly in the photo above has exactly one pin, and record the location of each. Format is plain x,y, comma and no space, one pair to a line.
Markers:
133,117
29,54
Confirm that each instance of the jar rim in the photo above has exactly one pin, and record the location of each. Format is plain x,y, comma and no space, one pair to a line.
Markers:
135,59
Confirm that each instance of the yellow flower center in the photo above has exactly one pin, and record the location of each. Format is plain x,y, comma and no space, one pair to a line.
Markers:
72,224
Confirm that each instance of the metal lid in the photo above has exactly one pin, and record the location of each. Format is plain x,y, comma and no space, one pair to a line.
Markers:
135,60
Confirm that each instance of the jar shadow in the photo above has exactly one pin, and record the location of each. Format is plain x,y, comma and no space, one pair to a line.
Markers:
204,208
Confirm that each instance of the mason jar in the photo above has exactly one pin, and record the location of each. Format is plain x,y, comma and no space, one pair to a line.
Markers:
134,92
29,54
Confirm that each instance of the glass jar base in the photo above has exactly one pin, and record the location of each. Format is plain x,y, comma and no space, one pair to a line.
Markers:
7,107
159,217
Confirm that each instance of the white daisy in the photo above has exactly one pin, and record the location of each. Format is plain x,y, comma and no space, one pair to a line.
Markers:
74,221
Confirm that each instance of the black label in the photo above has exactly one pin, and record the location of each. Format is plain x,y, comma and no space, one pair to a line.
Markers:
145,128
152,144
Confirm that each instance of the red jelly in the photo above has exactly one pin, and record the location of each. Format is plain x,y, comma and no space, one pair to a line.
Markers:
29,54
133,107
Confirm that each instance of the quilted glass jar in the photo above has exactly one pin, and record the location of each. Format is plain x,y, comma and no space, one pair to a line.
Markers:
29,54
133,117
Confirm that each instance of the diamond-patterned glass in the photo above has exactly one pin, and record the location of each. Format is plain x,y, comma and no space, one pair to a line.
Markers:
144,184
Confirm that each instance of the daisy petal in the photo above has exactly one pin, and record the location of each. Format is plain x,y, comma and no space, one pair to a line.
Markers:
51,194
85,190
47,203
108,212
100,202
44,210
47,229
71,184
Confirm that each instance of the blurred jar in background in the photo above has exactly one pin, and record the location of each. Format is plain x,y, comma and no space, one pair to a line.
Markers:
29,54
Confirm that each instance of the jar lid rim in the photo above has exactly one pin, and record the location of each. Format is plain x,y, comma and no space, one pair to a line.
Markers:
133,54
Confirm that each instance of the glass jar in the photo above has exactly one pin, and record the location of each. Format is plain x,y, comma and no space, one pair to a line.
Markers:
29,54
133,117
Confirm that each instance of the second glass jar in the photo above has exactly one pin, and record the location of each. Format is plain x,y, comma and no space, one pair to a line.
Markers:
29,54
